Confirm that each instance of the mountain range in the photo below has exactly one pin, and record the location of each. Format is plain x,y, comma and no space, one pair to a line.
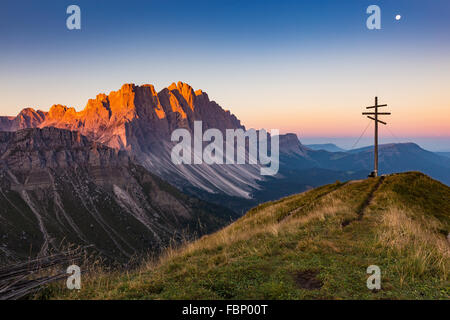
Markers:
104,175
140,120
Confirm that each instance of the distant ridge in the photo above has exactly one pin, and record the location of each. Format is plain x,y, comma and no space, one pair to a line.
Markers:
331,147
393,158
444,154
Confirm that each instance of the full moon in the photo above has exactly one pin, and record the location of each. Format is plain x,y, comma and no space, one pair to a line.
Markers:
398,17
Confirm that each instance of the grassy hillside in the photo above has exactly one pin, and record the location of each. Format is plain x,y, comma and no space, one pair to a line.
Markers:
314,245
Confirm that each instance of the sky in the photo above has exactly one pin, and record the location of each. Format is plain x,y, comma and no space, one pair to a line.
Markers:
308,67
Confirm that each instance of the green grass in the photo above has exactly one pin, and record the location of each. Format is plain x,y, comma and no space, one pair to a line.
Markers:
403,230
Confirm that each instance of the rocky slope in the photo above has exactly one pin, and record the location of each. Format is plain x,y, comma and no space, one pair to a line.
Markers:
57,187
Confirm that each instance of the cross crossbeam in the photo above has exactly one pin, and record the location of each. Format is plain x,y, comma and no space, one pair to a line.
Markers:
381,105
377,120
379,113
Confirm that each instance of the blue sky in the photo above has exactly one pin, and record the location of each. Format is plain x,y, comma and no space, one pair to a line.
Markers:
300,66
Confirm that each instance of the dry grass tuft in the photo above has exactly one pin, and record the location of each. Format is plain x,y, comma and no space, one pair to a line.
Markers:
424,249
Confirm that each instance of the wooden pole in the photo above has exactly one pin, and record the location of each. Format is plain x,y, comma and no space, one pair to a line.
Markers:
375,171
376,120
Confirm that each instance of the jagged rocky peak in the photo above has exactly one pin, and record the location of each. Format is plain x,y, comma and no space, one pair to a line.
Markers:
27,118
97,111
186,92
59,112
178,106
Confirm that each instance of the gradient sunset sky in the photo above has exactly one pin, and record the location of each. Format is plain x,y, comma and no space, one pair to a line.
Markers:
307,67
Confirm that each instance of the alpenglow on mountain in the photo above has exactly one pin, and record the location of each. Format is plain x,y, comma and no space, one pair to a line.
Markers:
140,120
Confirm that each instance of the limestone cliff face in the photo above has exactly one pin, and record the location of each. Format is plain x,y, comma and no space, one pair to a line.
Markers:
57,186
51,148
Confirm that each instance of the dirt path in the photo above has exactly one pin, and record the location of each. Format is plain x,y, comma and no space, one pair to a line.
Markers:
365,203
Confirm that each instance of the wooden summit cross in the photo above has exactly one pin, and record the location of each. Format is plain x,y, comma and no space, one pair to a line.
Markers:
376,114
